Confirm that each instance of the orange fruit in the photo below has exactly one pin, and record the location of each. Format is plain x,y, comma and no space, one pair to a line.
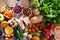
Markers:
8,13
35,38
4,24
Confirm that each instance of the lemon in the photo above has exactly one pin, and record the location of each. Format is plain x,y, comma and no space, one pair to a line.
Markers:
8,30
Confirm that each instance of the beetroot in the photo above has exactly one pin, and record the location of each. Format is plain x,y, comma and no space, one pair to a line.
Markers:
17,9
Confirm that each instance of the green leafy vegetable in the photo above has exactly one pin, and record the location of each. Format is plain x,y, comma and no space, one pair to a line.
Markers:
50,10
35,3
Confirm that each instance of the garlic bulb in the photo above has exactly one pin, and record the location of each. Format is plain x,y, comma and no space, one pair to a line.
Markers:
25,34
29,36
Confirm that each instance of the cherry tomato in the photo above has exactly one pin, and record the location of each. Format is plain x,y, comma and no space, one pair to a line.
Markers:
33,25
29,30
36,29
37,24
33,30
42,22
30,26
40,27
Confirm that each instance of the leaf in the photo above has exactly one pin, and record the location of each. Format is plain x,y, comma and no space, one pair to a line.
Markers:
34,3
55,1
58,5
44,25
33,33
26,30
41,1
45,7
39,31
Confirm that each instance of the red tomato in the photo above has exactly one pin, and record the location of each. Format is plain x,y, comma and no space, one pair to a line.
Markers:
33,30
40,27
30,26
33,25
36,29
42,22
37,24
29,30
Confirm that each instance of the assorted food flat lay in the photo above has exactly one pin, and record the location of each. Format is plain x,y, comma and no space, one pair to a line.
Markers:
29,19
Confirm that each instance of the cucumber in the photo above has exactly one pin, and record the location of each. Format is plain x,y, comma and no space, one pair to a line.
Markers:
18,32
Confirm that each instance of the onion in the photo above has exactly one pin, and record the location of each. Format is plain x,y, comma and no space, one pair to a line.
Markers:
35,11
17,9
36,19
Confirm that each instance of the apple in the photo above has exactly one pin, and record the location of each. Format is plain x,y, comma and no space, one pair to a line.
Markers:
1,18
